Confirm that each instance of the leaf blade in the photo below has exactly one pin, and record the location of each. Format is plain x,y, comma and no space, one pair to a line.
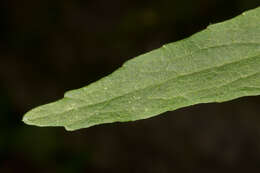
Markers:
218,64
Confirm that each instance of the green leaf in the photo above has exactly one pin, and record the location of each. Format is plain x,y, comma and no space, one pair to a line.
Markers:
218,64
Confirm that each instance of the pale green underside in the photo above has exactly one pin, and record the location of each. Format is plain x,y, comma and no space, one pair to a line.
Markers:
218,64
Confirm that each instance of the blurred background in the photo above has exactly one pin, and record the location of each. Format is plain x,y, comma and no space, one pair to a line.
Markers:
50,46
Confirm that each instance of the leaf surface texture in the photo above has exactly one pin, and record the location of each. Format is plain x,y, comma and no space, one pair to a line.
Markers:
218,64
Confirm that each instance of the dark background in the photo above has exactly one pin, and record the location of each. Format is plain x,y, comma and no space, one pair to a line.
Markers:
50,46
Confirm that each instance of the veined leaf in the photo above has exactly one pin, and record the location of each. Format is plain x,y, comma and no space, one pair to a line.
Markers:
218,64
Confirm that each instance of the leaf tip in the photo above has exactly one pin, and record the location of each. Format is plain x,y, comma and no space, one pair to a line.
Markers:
27,120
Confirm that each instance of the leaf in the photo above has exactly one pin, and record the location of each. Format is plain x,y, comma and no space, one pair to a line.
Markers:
218,64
